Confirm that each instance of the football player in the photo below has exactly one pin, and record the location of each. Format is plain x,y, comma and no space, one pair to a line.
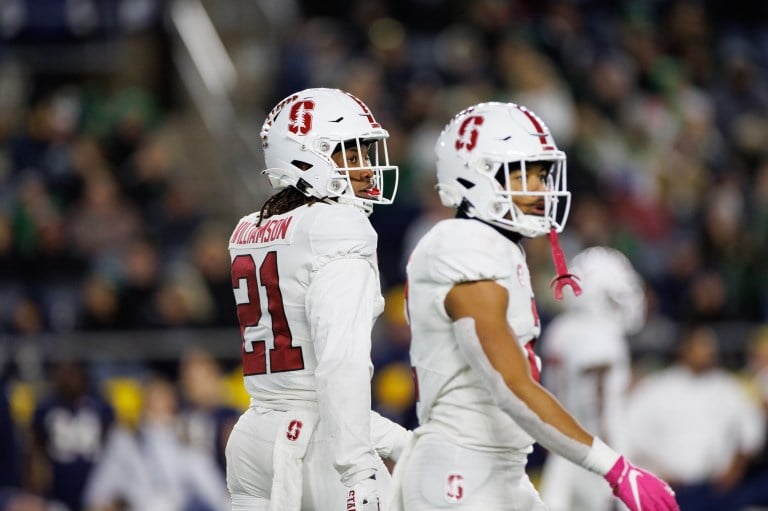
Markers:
587,359
474,324
306,285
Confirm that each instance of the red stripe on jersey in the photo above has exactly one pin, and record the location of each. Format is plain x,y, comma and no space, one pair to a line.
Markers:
532,360
415,383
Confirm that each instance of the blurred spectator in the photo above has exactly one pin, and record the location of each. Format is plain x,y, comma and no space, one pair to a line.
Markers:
756,365
14,499
144,176
140,275
210,258
26,318
10,464
393,391
99,305
70,427
177,219
12,496
102,223
151,468
205,420
530,78
754,490
694,425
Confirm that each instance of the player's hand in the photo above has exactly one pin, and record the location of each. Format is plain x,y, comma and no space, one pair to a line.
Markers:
639,489
364,496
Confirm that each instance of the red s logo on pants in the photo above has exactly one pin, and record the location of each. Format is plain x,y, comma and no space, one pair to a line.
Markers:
294,430
454,488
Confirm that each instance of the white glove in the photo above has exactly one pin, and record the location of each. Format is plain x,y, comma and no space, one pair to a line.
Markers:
389,438
364,496
403,442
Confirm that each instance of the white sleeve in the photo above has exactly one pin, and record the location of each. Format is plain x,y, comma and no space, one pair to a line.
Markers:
340,303
389,437
750,426
598,457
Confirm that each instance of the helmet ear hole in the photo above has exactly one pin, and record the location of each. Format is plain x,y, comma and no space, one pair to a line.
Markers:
301,165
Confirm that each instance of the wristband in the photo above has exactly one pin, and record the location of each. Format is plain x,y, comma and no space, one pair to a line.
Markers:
600,458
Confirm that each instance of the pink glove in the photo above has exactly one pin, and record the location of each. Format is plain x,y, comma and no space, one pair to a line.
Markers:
639,489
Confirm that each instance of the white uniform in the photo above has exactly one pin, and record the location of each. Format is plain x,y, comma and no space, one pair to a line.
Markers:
469,454
153,470
690,426
588,369
306,284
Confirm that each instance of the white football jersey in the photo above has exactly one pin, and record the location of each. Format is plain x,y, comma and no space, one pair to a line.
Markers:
451,398
273,267
587,368
587,362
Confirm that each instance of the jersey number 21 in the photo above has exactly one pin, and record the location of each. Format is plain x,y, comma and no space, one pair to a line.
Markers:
283,357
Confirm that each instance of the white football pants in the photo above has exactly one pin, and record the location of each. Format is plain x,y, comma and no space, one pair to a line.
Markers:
250,465
442,475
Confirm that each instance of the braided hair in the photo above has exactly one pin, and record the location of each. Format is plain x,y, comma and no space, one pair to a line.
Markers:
283,201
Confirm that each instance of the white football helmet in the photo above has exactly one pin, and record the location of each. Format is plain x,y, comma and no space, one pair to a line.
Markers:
475,153
610,286
302,132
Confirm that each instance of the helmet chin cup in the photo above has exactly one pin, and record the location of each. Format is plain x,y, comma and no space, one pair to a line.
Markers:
449,196
279,178
497,209
337,186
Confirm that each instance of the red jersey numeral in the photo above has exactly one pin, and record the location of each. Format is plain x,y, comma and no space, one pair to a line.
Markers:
283,356
535,312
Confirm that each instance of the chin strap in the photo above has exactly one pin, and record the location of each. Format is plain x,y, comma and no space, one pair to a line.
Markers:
563,278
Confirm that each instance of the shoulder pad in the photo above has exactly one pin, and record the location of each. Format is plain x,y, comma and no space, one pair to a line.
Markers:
340,230
467,250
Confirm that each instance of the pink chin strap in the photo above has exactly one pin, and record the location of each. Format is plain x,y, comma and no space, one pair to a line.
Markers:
563,278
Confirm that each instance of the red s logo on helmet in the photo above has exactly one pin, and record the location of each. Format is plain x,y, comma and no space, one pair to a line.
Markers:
300,118
468,133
